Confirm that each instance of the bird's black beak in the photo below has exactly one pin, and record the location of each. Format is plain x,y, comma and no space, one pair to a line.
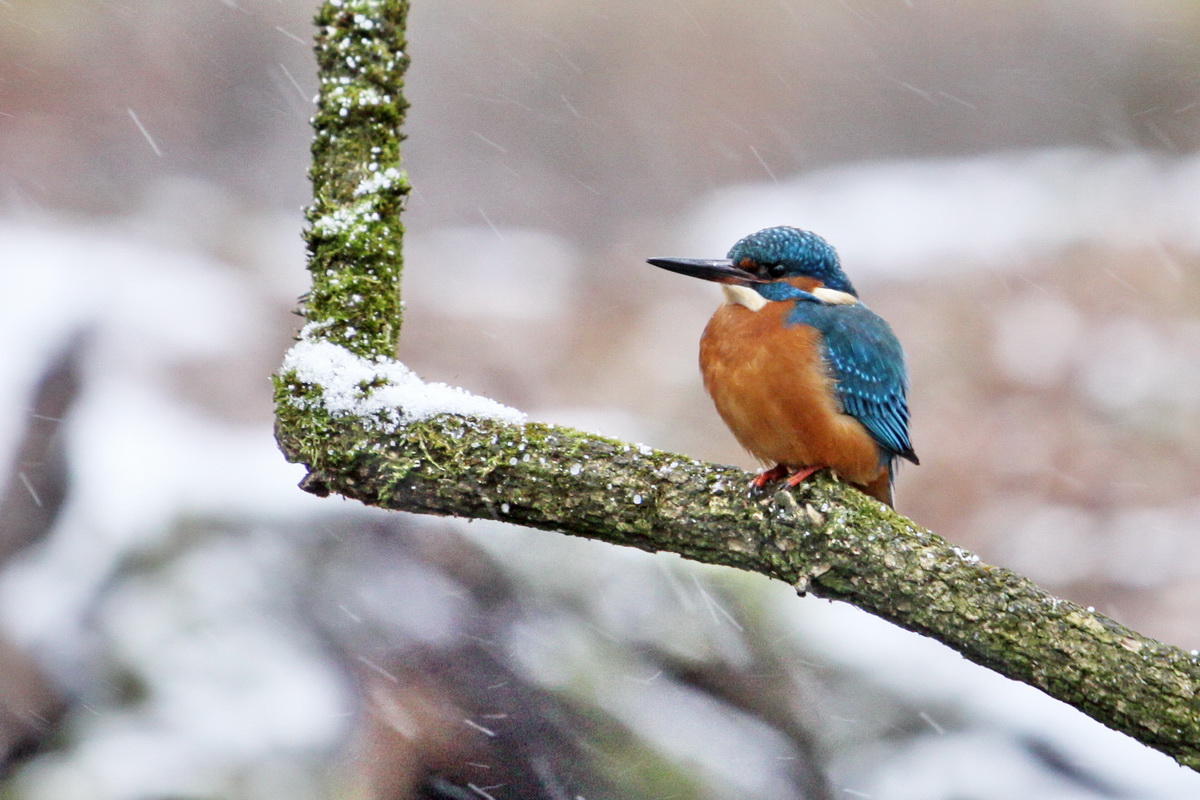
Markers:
720,270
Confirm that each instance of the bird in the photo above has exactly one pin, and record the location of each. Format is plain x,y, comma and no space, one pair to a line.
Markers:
805,376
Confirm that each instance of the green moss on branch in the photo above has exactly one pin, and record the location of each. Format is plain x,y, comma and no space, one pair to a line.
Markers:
359,189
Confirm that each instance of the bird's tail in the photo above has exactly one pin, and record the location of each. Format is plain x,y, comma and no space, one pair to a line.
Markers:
881,488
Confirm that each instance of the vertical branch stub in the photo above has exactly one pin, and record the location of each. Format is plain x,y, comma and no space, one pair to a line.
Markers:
354,233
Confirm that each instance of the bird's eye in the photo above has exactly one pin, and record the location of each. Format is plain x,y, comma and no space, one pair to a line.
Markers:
774,270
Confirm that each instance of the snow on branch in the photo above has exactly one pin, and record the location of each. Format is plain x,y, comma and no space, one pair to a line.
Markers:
381,390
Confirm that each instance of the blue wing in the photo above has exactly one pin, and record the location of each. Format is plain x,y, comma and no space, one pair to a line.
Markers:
867,363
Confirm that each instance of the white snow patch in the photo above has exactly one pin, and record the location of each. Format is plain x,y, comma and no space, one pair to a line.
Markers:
378,180
402,399
346,220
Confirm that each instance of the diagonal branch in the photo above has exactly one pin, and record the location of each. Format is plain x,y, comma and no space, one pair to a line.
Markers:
369,430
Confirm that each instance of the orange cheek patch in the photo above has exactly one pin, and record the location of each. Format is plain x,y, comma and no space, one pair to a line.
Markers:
805,283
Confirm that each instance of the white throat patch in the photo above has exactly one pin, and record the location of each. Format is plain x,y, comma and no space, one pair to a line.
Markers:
833,297
743,296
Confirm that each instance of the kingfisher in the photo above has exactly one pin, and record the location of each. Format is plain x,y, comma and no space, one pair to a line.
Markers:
803,373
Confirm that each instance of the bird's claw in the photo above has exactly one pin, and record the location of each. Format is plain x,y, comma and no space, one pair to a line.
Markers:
799,476
794,479
761,480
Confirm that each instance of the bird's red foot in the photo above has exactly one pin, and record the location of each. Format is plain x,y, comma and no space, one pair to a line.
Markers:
801,475
766,476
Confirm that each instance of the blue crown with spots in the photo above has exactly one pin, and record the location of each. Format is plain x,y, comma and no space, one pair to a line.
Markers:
801,253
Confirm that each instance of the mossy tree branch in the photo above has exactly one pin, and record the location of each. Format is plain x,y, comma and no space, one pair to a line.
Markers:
822,538
354,232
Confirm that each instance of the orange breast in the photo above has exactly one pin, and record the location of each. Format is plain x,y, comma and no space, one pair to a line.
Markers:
773,389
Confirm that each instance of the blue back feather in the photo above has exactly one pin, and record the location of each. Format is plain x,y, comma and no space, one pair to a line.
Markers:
867,364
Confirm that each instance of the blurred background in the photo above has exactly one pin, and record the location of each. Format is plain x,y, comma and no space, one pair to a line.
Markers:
1014,185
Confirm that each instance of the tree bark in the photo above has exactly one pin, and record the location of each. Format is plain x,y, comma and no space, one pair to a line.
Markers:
823,537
